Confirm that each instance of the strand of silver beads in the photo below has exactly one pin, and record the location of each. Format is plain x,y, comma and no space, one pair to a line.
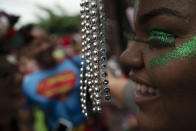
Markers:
93,71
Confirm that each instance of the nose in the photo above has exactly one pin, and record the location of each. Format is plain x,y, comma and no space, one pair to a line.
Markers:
133,55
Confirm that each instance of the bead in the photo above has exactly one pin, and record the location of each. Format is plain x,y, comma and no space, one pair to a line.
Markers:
108,97
97,89
95,59
88,54
98,102
95,67
95,37
90,58
83,112
87,9
84,94
97,96
86,115
94,109
89,83
88,39
86,1
94,21
93,13
101,25
106,90
87,17
103,66
84,101
85,48
93,4
82,17
90,90
94,28
91,97
103,59
88,46
103,50
95,52
83,23
81,82
104,74
105,82
87,61
99,110
82,3
85,88
88,25
83,30
88,68
83,43
81,99
96,81
85,82
96,74
82,10
88,32
101,8
81,87
95,43
101,16
81,75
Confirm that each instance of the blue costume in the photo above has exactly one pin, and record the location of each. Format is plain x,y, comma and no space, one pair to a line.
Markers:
56,92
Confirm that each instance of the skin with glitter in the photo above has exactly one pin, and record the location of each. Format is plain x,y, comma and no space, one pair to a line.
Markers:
160,39
187,49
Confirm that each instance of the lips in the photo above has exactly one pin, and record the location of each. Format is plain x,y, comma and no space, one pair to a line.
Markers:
145,94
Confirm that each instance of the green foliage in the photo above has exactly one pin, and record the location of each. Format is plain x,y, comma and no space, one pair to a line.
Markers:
58,23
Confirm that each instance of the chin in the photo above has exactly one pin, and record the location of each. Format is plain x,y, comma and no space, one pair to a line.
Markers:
153,119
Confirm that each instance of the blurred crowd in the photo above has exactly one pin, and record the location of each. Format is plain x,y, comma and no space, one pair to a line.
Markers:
39,83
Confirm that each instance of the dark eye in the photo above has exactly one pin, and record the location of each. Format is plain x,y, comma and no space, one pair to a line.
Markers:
160,39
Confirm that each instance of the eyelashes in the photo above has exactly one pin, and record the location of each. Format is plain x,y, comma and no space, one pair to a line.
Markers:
157,38
160,38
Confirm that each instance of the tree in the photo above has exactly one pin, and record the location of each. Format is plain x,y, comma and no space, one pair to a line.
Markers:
58,23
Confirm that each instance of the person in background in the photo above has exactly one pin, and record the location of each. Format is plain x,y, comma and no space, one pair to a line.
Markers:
54,88
11,98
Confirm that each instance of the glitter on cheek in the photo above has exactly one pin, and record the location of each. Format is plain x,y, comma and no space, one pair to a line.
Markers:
187,49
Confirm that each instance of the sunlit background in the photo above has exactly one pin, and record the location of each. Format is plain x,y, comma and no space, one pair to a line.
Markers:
29,10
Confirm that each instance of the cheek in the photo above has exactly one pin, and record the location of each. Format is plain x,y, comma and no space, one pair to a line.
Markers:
176,82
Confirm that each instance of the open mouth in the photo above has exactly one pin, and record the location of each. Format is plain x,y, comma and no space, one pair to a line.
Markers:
145,94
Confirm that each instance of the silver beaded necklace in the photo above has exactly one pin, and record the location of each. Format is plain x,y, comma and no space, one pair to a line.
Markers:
93,71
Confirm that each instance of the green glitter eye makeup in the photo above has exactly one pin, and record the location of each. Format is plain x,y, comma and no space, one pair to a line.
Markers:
187,49
159,38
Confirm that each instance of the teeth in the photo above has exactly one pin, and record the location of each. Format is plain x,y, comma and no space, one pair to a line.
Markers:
145,89
151,90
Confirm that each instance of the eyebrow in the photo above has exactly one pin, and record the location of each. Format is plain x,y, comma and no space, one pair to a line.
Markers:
157,12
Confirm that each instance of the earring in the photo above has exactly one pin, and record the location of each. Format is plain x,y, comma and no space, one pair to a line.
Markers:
94,61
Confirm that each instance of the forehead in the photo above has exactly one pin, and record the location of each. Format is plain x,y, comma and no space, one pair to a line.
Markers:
175,15
181,5
184,7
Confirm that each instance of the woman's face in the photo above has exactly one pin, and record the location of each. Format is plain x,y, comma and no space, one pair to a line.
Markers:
164,64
